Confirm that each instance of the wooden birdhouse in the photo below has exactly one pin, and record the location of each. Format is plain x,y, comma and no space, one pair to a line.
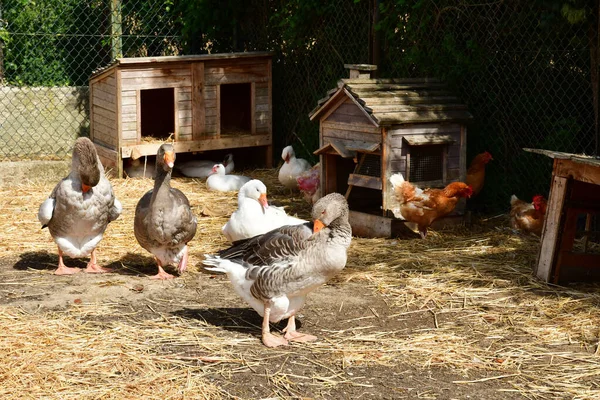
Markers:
203,102
371,129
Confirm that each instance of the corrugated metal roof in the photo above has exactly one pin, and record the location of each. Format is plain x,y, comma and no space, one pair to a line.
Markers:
399,101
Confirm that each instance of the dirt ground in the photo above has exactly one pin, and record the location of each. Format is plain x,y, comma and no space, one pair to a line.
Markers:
407,319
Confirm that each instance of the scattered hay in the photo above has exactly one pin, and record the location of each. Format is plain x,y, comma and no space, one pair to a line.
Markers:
462,300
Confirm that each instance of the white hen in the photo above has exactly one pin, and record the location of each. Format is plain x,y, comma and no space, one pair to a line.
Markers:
291,168
254,216
221,182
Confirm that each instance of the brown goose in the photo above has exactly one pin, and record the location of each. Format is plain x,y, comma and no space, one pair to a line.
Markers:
80,208
164,222
274,272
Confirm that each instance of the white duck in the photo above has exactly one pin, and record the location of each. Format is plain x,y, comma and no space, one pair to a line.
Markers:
291,168
80,208
254,216
203,168
221,182
274,272
164,222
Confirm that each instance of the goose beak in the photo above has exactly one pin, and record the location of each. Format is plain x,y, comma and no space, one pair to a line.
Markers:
287,158
318,225
263,201
85,188
169,158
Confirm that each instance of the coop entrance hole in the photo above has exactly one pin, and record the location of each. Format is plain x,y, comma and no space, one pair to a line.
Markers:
157,112
235,105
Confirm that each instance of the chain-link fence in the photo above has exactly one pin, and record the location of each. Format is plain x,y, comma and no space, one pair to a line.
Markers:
523,68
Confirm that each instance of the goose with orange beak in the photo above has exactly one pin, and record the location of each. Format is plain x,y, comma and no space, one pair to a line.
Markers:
274,272
254,216
164,222
80,208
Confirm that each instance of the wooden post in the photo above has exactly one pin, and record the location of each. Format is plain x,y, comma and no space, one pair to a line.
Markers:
116,29
198,104
551,231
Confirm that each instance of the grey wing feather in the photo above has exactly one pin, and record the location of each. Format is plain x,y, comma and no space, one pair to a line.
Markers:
271,247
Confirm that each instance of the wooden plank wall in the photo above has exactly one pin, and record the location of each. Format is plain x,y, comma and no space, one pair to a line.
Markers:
344,123
155,77
396,148
220,72
104,112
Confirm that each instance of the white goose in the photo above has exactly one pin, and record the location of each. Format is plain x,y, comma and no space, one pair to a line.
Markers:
221,182
203,168
253,215
80,208
291,168
274,272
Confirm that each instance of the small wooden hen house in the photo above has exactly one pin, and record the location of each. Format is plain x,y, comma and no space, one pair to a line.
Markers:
206,102
371,129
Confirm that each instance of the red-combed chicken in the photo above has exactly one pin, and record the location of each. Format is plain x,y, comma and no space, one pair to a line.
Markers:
309,183
423,206
528,217
476,172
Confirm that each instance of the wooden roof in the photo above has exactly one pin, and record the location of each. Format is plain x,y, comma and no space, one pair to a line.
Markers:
143,61
579,158
398,101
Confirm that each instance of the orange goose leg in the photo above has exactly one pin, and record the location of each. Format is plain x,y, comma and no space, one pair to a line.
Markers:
268,338
93,267
292,335
162,274
62,268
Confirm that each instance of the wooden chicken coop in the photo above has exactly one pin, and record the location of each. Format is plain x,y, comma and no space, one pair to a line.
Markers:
371,129
204,102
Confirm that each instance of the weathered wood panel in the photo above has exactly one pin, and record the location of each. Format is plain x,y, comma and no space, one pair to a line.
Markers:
235,72
142,83
349,113
204,144
156,72
105,104
198,102
342,133
551,230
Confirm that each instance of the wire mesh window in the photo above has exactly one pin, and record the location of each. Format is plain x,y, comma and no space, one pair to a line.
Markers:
369,164
426,163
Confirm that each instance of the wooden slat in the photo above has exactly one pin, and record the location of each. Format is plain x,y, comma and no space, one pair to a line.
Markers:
368,225
365,181
109,114
157,72
399,81
387,108
364,93
104,104
198,101
395,86
253,109
202,145
412,117
578,171
242,77
550,232
366,129
156,83
103,95
426,140
373,100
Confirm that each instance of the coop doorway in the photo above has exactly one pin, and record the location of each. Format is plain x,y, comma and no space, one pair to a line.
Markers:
157,113
235,106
